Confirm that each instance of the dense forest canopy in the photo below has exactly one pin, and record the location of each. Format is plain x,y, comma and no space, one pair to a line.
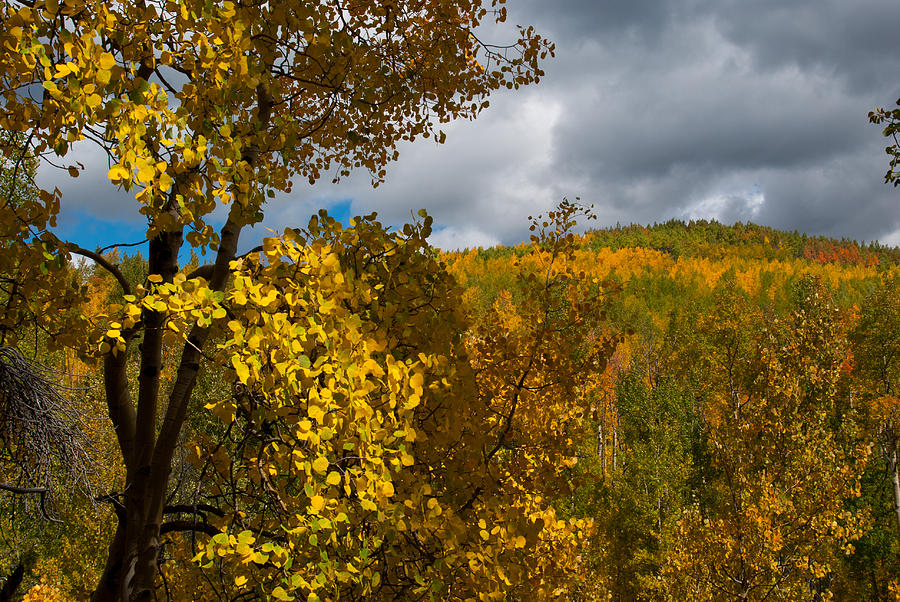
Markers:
742,441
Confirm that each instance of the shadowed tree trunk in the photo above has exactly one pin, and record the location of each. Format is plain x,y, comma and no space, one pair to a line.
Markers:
12,583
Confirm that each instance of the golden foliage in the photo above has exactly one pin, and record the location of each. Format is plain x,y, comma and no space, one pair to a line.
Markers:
374,447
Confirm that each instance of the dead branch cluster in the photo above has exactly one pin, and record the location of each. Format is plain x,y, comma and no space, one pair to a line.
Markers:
43,436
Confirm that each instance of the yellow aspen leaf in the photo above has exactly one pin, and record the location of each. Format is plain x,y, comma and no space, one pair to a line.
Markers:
416,381
106,61
146,172
241,369
93,101
165,181
117,172
320,464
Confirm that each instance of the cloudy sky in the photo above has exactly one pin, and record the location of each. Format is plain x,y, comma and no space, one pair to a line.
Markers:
735,110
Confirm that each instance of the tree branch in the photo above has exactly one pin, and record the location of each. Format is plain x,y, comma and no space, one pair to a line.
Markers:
192,509
22,490
119,403
105,264
42,491
122,244
188,525
206,271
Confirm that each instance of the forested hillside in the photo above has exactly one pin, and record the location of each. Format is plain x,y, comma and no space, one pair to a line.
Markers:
742,440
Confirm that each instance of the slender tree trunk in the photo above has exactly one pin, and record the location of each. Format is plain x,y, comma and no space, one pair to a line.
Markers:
122,415
895,480
131,568
601,445
110,581
615,442
13,581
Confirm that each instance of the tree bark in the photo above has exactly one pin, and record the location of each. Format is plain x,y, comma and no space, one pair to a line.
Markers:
13,581
110,581
160,462
131,568
163,261
124,420
895,479
136,431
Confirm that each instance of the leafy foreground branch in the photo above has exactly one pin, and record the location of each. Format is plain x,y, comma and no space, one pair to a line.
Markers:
375,447
198,106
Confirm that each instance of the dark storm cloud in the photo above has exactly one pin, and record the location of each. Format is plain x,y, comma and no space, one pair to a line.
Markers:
744,110
855,41
727,109
705,118
841,198
575,20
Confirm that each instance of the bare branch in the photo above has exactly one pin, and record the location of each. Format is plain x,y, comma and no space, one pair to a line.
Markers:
22,490
105,264
188,525
192,509
122,244
206,271
40,430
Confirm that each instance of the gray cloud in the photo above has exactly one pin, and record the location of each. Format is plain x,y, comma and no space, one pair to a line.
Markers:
855,42
725,109
567,20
